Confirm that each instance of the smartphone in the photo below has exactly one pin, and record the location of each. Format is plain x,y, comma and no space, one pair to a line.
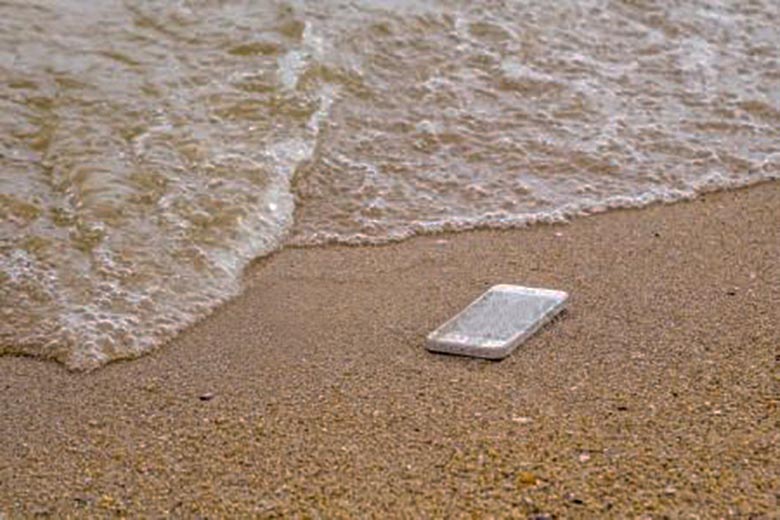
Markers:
494,324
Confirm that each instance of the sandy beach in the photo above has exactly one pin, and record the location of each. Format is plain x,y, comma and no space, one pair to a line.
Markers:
657,394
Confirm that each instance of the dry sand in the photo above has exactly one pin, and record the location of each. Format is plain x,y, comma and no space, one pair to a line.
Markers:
657,394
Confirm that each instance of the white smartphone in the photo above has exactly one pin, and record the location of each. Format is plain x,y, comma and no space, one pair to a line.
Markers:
494,324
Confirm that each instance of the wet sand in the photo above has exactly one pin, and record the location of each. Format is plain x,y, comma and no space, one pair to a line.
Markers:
656,394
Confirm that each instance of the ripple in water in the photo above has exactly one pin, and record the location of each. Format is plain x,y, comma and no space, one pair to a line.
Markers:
150,150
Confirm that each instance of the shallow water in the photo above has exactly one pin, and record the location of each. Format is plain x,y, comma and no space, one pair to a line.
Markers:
150,150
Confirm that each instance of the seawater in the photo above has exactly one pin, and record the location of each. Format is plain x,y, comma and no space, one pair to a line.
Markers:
150,149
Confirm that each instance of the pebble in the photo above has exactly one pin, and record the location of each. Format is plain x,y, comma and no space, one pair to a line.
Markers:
525,478
208,396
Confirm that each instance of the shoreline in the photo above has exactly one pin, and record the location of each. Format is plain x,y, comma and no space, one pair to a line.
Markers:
312,393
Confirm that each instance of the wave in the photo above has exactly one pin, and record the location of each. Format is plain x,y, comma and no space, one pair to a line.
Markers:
151,151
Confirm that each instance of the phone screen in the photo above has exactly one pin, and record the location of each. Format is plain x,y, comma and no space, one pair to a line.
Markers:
500,316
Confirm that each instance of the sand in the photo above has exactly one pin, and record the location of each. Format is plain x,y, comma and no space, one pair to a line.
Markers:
657,394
